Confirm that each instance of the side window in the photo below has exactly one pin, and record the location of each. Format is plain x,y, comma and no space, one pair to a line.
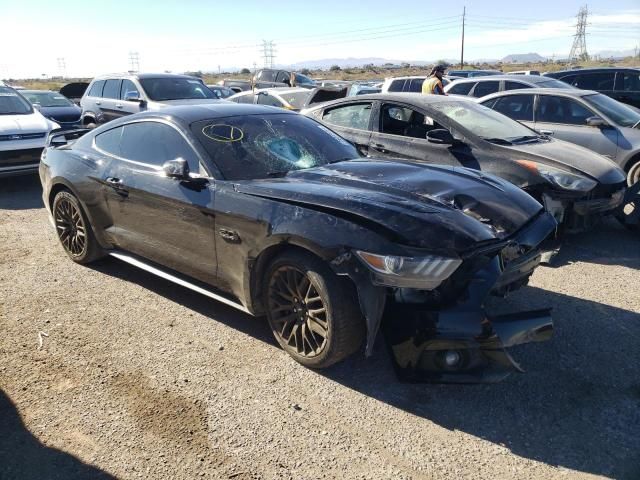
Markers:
397,120
155,143
595,81
553,109
349,116
109,141
267,76
628,81
283,77
111,89
570,79
508,85
266,99
485,88
461,88
248,98
96,89
128,89
415,85
518,107
397,85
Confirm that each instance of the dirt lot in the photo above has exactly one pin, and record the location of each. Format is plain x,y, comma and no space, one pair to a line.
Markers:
139,378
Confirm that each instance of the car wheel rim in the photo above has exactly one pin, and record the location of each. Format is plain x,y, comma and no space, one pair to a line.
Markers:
634,175
297,311
70,227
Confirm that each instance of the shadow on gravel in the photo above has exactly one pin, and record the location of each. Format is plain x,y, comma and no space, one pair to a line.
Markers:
607,244
23,457
577,407
20,193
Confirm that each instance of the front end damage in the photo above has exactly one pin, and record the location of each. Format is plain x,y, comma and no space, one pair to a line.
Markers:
444,335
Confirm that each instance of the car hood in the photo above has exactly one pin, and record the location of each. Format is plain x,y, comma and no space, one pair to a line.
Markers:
564,154
18,124
429,206
63,113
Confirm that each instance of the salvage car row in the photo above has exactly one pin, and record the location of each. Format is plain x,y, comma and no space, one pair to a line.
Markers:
393,212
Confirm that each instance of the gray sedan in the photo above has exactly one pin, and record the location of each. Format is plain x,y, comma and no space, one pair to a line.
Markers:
583,117
479,87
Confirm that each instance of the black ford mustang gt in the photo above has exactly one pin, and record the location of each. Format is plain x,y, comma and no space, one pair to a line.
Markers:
273,213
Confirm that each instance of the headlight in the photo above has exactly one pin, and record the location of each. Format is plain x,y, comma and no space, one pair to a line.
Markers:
560,178
424,273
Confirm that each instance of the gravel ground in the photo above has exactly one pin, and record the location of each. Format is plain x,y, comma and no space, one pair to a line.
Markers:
138,378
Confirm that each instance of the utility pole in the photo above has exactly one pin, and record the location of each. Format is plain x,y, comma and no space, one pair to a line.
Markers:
464,13
62,67
579,47
134,61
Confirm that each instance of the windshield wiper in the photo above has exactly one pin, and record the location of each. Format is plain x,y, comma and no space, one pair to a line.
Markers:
525,138
277,174
499,141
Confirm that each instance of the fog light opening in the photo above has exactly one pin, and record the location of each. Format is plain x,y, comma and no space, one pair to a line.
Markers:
452,358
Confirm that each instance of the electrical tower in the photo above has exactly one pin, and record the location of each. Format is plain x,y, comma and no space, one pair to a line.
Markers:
62,66
134,61
268,53
579,47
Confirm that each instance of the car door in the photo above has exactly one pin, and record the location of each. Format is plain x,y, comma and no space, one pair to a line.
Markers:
352,121
518,107
565,118
167,221
128,90
627,88
400,132
110,98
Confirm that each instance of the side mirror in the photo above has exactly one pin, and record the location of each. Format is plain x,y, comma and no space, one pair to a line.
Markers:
595,121
37,106
132,97
440,136
178,169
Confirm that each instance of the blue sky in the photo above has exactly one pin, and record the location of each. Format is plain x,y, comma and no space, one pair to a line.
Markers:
96,37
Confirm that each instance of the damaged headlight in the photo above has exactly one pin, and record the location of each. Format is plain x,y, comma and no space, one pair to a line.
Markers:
424,273
560,178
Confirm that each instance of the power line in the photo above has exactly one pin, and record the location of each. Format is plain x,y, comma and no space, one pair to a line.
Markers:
579,48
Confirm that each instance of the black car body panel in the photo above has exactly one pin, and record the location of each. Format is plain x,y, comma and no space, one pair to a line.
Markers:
224,232
621,83
466,149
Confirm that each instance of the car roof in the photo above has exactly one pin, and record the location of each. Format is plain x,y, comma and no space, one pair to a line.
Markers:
32,90
194,113
284,90
415,98
562,92
141,76
592,69
511,78
407,77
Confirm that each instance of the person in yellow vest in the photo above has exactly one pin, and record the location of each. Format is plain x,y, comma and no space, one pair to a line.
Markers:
433,83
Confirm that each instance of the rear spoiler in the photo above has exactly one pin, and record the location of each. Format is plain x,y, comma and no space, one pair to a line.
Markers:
60,137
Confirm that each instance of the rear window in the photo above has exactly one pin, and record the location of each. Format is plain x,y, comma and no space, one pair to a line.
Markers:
111,89
461,88
248,98
485,88
296,99
397,85
176,88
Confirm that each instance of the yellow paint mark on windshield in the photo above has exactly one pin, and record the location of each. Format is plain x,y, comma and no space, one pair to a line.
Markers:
223,133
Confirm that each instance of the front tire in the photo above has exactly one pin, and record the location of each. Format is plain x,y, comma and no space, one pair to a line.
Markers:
313,313
73,229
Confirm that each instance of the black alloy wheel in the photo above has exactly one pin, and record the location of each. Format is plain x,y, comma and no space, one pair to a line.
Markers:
73,229
313,313
298,312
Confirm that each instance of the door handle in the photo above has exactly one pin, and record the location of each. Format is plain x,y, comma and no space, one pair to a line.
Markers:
381,148
546,132
118,105
98,103
116,184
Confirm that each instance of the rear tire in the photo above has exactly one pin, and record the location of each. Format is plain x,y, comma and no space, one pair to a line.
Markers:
74,230
313,313
633,176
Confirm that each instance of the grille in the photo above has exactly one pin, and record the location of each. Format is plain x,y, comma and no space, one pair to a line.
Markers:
21,136
17,157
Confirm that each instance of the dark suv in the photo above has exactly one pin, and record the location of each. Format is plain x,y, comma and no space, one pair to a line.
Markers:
113,96
623,84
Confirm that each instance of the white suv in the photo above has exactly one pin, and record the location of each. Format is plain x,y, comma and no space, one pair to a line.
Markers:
23,133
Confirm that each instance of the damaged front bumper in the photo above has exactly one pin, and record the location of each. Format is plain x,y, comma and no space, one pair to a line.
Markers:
458,342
